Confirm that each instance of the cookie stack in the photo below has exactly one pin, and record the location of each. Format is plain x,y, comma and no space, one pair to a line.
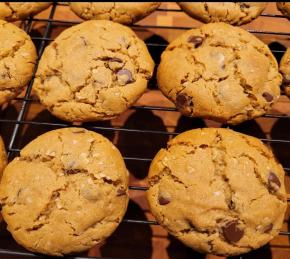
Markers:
216,190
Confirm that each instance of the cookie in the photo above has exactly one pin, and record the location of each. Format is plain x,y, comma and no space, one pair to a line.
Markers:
284,8
235,13
67,192
285,71
11,11
125,13
218,191
219,72
93,71
18,56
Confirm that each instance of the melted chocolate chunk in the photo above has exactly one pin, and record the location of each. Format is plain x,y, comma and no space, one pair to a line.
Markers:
268,97
203,146
164,198
182,101
231,232
127,73
163,201
268,228
273,182
196,40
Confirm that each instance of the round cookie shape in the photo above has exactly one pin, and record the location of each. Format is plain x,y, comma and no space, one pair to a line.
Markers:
67,192
93,71
217,191
285,71
124,13
235,13
219,72
18,55
11,11
284,8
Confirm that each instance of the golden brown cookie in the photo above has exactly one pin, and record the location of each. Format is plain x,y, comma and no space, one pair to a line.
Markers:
93,71
11,11
218,191
18,55
284,8
285,71
67,192
236,13
219,72
121,12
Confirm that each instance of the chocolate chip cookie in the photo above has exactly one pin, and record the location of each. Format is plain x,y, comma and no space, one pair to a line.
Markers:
125,13
11,11
235,13
284,8
93,71
218,191
285,70
67,192
219,72
18,56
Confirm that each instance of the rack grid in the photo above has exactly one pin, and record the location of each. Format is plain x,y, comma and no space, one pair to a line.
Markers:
27,100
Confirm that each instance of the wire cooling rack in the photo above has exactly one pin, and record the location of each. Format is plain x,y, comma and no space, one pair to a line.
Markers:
15,124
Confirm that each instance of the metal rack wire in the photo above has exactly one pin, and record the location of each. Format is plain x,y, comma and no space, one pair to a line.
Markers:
27,100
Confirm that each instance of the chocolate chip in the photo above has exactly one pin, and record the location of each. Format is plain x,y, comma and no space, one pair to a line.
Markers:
125,76
181,100
116,60
203,146
267,96
164,198
273,182
196,40
121,192
268,228
163,201
231,232
184,103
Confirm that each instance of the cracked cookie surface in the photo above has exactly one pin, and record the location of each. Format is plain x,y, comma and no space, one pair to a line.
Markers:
236,13
218,191
284,8
125,13
67,192
11,11
18,55
284,67
219,72
93,71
